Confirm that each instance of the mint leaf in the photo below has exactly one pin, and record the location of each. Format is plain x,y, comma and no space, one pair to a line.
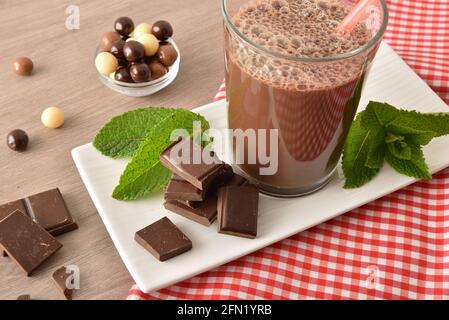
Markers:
378,114
391,137
412,122
415,167
376,153
382,132
400,150
123,134
145,174
356,153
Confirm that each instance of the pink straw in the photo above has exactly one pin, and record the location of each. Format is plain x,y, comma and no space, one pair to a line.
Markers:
355,16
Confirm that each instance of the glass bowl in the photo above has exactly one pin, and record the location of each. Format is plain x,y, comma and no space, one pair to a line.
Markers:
143,89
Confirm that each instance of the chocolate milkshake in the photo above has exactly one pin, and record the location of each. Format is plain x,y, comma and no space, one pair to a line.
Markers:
285,76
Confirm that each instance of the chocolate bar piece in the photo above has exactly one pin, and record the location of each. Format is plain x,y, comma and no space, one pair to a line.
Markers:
26,242
190,167
60,277
237,210
24,297
204,212
163,239
6,210
180,189
48,209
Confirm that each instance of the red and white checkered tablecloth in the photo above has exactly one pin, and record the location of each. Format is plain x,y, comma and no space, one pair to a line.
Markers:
396,247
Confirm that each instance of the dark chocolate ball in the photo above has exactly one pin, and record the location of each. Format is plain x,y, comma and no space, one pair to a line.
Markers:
124,26
166,54
162,30
157,69
17,140
123,62
122,74
133,51
117,49
140,72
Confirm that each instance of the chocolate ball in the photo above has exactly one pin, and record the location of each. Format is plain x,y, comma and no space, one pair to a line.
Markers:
117,49
123,63
166,54
17,140
142,29
157,69
23,66
150,43
133,51
107,39
140,72
162,30
52,117
124,26
122,74
106,63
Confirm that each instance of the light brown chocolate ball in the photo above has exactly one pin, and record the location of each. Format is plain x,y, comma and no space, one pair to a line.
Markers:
107,39
157,69
23,66
167,54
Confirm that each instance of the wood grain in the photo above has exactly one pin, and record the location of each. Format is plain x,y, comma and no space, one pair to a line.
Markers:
65,76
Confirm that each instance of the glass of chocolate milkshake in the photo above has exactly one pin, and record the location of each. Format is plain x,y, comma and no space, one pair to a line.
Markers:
294,82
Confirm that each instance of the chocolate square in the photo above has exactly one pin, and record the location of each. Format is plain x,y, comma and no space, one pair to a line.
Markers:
180,189
238,210
163,239
27,243
204,212
48,209
199,174
8,208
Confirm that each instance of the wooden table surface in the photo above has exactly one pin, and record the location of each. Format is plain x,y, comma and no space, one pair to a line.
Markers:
66,77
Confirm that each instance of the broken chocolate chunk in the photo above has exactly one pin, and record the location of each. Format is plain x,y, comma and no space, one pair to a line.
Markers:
64,280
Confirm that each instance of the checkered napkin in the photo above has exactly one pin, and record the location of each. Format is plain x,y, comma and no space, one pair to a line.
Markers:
396,247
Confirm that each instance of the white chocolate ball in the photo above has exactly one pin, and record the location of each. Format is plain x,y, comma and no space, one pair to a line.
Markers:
130,39
106,63
52,117
150,43
141,29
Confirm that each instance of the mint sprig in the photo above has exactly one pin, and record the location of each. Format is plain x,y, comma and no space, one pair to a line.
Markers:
143,134
123,134
384,133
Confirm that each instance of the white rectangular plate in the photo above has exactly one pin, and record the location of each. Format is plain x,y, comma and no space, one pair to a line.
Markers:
390,80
